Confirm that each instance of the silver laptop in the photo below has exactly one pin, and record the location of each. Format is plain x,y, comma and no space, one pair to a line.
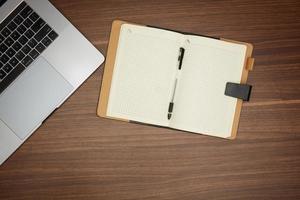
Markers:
43,60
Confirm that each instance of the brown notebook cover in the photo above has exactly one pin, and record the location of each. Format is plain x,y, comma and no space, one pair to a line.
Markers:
109,70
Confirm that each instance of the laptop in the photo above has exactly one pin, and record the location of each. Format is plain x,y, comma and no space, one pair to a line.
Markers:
43,60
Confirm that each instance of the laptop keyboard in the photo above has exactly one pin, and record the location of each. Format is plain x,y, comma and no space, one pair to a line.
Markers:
24,35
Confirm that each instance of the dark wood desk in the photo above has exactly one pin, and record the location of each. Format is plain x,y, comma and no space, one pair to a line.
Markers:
76,155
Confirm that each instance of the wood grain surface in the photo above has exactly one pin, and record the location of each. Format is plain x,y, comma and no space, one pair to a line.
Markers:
76,155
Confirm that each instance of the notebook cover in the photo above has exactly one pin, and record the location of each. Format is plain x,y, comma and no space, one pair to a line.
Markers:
109,68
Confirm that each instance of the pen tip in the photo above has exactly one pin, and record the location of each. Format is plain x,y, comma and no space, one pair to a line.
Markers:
169,116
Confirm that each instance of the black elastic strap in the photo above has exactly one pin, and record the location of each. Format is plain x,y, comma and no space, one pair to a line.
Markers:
240,91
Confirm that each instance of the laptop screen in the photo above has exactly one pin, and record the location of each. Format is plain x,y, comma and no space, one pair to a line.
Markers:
2,2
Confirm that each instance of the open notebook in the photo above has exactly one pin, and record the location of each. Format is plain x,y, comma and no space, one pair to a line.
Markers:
175,80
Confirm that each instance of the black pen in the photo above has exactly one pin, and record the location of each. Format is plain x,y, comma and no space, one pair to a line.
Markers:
171,104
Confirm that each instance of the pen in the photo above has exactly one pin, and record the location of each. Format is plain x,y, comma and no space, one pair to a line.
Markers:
171,104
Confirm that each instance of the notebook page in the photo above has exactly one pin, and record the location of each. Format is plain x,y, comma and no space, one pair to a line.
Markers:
144,71
201,105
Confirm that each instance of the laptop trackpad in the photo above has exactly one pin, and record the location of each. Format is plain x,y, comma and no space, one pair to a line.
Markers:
28,101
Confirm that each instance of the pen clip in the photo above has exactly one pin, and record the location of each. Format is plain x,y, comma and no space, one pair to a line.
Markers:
180,57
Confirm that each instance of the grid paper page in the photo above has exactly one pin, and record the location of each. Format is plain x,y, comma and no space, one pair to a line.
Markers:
201,105
144,71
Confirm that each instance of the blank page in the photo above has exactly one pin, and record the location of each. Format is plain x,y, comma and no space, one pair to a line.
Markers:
143,76
200,104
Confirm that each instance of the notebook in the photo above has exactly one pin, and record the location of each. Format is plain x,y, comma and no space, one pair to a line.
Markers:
172,79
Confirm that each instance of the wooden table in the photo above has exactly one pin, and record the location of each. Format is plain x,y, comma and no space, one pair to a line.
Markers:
76,155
